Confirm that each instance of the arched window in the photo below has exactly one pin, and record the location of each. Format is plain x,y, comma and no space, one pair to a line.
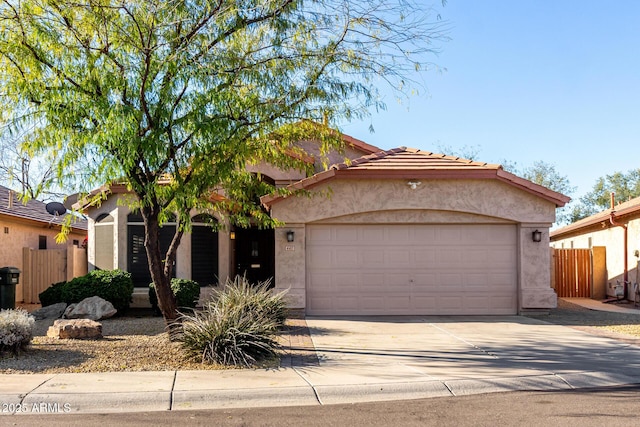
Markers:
204,250
103,232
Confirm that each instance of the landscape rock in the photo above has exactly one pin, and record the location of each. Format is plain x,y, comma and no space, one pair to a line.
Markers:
53,311
94,308
75,329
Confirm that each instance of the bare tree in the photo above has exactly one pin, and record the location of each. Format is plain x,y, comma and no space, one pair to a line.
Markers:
33,176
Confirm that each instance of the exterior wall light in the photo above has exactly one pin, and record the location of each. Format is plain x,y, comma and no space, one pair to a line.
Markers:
232,235
536,236
290,236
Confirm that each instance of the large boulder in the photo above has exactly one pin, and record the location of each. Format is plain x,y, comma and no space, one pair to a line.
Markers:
75,329
53,311
94,308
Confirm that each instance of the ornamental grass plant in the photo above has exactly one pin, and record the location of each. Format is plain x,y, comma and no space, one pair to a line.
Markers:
237,327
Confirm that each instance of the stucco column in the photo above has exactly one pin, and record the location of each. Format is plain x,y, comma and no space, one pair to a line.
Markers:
535,269
224,254
120,241
91,243
290,264
183,257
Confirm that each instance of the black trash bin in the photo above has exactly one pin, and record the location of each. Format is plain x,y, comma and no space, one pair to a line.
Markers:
9,277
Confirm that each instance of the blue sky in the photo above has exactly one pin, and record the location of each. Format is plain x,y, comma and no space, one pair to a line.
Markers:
523,80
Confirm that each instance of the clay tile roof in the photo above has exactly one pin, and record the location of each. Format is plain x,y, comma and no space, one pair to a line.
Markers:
621,213
412,159
33,210
411,163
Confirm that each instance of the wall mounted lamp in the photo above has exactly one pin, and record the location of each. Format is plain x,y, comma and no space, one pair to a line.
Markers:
536,236
232,235
291,236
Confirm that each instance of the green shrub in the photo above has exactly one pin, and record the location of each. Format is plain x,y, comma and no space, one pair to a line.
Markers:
237,327
52,295
16,330
114,286
187,293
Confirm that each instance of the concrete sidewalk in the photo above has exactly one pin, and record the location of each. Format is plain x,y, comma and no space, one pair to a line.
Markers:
360,359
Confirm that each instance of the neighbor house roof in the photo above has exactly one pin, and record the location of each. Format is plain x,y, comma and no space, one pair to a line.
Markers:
360,145
620,213
87,201
411,163
32,211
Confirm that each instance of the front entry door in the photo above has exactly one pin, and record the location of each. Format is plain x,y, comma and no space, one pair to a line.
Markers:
255,254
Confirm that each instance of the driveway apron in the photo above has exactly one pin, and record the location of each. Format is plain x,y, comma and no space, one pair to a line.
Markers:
458,354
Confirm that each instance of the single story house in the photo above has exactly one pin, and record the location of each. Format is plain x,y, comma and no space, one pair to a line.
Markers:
617,229
396,232
28,227
116,235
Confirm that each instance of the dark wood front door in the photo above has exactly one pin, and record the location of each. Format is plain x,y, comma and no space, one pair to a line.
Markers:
255,254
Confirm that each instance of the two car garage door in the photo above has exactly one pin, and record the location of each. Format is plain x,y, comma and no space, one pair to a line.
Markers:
411,269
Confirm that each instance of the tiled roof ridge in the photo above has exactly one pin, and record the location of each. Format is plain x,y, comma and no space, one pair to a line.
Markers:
386,153
367,158
458,159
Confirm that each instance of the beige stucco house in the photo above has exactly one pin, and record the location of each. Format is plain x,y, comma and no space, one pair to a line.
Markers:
616,229
25,228
116,235
394,232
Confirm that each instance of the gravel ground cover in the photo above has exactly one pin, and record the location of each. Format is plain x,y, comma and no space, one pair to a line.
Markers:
138,342
620,326
130,343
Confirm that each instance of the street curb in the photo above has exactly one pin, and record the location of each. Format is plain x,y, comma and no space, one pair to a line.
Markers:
465,387
359,393
243,398
112,402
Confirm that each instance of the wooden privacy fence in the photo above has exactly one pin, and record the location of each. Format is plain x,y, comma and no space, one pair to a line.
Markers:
573,273
43,267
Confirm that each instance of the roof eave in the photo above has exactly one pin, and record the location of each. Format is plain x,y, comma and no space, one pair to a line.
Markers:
558,199
423,173
359,144
88,201
304,184
41,223
601,219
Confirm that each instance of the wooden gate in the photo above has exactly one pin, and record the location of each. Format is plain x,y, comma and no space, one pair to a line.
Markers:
43,267
573,270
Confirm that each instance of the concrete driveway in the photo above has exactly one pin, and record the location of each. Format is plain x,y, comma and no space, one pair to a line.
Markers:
446,355
361,360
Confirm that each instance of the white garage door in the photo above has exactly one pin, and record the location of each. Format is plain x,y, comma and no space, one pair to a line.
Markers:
411,269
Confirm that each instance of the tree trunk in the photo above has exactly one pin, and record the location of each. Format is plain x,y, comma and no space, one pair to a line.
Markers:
160,275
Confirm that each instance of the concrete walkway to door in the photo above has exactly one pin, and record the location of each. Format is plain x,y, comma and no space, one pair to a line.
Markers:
379,358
